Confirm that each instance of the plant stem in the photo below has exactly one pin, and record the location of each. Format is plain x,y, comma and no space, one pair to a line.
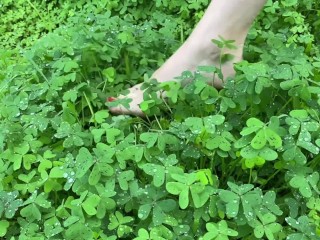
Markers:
89,104
272,176
127,63
158,122
314,162
165,103
250,175
283,107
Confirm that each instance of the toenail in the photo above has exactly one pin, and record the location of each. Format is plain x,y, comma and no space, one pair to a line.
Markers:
111,99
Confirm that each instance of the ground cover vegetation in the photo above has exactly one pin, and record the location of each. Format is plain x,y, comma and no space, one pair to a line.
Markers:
239,163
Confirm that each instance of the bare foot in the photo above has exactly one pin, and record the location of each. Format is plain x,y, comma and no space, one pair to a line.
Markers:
230,19
187,57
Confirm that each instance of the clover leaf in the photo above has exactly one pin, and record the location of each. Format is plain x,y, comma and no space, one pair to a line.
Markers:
305,230
124,178
159,172
100,116
185,183
244,193
52,227
90,204
152,201
4,224
9,204
252,162
268,202
305,183
84,161
118,221
266,135
266,226
219,231
71,134
143,234
149,138
101,167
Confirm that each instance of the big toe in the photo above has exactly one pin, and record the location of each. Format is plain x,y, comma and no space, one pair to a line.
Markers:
136,97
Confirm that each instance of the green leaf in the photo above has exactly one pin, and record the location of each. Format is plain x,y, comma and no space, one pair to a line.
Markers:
124,178
64,130
200,194
171,88
282,71
232,201
260,140
109,74
31,212
142,234
95,175
214,119
101,116
149,138
70,220
254,122
9,204
268,154
287,85
273,138
90,204
302,184
112,133
52,227
157,171
144,211
269,202
195,124
290,3
84,161
299,114
71,95
184,198
4,224
180,189
219,230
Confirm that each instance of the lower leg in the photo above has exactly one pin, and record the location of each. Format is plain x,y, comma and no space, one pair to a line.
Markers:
230,19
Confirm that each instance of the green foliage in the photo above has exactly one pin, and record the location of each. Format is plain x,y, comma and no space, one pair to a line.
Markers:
239,163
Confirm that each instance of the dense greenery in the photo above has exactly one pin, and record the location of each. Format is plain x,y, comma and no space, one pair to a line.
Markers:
239,163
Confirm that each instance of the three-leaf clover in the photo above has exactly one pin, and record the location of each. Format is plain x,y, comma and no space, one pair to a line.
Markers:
152,200
219,231
244,193
306,231
263,134
71,133
266,226
305,183
102,160
118,221
159,172
9,204
189,182
143,234
33,205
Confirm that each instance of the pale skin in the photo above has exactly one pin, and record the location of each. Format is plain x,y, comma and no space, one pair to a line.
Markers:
230,19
